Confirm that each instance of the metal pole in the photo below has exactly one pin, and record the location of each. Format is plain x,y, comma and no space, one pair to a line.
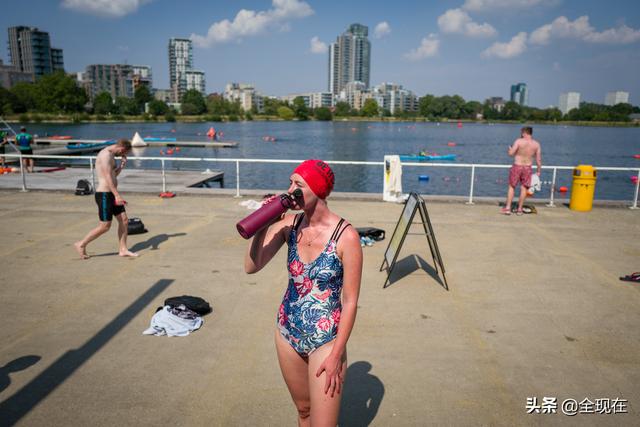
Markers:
24,178
553,189
93,174
164,178
237,178
635,198
473,174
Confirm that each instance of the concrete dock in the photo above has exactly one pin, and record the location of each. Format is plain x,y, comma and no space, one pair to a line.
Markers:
534,309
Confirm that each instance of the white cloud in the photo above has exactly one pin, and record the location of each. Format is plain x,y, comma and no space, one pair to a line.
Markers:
251,23
109,8
511,49
457,21
428,48
581,29
484,5
382,29
318,46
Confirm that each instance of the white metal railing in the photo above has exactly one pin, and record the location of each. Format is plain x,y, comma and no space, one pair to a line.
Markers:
237,162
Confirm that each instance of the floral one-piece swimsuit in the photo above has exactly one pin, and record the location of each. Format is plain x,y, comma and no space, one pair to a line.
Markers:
310,311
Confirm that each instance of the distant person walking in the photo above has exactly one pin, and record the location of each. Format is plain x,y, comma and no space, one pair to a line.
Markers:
523,150
109,200
3,142
24,141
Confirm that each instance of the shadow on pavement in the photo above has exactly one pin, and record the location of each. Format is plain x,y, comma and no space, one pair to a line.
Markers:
19,364
408,265
362,396
28,397
154,242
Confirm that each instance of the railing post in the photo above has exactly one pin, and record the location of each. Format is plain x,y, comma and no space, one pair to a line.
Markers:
24,178
93,174
237,178
164,178
553,189
473,175
635,197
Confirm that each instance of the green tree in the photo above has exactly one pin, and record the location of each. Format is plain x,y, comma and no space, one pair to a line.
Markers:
216,104
103,104
342,109
471,109
193,103
512,111
58,92
300,108
126,106
285,113
271,106
370,108
25,98
8,101
424,105
158,108
323,113
142,95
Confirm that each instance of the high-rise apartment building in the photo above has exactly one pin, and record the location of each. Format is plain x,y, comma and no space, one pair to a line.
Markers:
618,97
246,95
568,101
182,76
395,98
31,52
350,58
520,94
116,79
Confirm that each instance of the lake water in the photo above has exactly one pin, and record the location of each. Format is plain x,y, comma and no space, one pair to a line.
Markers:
370,141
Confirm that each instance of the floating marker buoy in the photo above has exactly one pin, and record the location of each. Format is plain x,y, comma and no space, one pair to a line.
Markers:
636,156
177,149
459,125
563,189
423,177
170,151
634,179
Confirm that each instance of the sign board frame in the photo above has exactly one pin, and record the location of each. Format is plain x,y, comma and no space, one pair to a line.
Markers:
414,203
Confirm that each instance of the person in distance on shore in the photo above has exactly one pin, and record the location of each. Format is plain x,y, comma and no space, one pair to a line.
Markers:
523,151
108,198
318,310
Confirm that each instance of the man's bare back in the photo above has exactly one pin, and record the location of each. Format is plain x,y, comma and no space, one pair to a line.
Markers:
524,150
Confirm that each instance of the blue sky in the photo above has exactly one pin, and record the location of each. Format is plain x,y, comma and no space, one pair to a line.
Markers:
474,48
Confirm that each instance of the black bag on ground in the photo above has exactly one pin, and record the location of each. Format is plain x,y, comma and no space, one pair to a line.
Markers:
196,304
376,234
83,188
136,226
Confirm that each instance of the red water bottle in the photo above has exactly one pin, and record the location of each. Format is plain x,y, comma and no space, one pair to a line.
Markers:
262,217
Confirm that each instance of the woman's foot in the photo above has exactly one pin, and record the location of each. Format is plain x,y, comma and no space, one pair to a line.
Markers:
505,211
82,251
519,212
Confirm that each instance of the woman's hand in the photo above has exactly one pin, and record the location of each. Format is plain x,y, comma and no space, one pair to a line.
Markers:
332,367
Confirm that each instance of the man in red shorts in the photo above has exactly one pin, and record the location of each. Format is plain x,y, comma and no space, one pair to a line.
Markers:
523,150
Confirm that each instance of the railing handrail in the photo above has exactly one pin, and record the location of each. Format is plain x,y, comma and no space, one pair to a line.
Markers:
237,161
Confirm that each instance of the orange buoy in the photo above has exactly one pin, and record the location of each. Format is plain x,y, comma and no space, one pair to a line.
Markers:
161,153
459,125
636,156
169,151
177,149
167,195
563,189
451,144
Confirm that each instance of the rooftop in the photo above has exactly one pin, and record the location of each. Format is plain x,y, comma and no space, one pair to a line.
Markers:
534,309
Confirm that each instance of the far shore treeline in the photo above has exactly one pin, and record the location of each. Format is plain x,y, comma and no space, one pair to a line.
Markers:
57,97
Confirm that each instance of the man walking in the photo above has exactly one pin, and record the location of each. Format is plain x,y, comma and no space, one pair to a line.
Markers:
523,150
24,141
109,200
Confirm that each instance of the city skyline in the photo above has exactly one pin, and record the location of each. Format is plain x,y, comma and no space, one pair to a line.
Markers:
474,48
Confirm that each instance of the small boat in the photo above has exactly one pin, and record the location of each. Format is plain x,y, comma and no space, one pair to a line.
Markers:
82,146
427,158
61,137
159,139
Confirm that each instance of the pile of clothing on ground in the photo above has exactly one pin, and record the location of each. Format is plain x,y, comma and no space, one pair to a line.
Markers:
178,317
370,235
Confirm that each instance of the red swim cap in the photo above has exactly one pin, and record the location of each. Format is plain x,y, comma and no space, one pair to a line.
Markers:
318,175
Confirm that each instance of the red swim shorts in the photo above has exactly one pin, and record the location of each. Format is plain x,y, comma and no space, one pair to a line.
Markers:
520,174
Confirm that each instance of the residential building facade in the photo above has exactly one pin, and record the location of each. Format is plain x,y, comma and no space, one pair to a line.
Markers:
116,79
568,101
31,52
394,98
617,97
182,75
520,94
10,76
350,58
246,95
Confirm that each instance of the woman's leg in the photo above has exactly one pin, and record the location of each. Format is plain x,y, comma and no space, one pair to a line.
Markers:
324,408
295,373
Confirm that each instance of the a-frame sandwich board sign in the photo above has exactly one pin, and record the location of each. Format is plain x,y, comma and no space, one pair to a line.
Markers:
414,204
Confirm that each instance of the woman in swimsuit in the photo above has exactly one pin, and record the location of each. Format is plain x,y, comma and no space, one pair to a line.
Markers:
318,310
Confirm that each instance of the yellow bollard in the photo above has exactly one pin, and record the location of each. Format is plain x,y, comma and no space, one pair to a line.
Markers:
583,188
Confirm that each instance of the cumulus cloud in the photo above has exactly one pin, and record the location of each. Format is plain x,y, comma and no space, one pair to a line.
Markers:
109,8
457,21
485,5
382,29
516,46
251,23
318,46
428,48
581,29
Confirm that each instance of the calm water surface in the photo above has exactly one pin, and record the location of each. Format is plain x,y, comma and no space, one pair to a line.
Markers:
358,141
